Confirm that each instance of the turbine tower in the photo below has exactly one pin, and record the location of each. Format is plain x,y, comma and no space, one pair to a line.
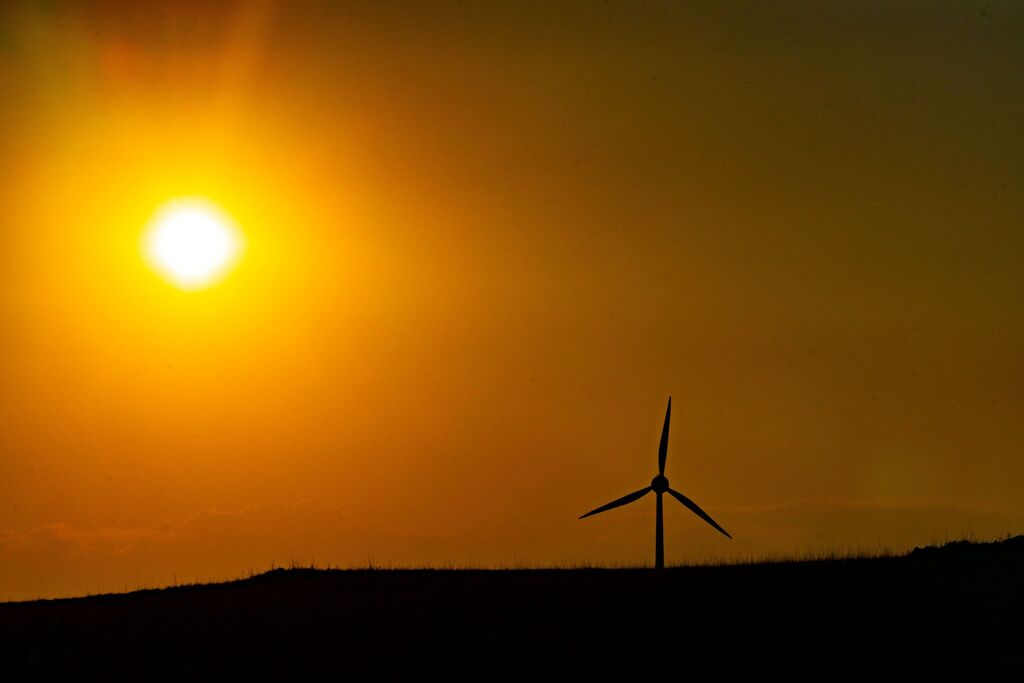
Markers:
660,485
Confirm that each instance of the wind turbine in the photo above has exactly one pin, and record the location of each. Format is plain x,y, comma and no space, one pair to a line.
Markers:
660,485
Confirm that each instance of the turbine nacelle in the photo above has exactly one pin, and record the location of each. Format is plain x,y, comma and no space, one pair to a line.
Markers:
659,484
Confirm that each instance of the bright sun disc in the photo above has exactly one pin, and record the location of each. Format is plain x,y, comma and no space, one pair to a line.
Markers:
192,243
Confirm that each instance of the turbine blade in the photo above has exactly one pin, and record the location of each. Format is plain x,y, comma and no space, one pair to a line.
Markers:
697,511
625,500
663,448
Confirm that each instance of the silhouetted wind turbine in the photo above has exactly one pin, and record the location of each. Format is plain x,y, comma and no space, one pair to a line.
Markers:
660,485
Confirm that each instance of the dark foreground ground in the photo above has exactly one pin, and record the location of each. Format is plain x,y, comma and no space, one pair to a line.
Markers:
957,610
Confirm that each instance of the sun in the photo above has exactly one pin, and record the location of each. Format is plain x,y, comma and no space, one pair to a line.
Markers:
192,242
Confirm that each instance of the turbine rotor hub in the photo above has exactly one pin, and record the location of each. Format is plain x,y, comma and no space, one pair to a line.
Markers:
659,484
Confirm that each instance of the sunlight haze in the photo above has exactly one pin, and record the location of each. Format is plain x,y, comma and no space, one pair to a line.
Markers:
478,249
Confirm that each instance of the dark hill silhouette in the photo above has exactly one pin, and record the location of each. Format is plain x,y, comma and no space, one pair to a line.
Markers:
957,609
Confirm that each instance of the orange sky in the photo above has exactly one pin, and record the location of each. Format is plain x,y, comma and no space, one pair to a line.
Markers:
484,246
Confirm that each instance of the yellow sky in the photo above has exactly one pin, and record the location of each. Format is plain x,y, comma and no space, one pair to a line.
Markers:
483,246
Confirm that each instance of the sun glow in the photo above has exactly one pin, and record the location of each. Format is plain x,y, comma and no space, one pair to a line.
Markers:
192,243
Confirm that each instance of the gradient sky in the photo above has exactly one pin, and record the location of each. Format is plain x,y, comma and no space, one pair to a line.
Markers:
486,243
